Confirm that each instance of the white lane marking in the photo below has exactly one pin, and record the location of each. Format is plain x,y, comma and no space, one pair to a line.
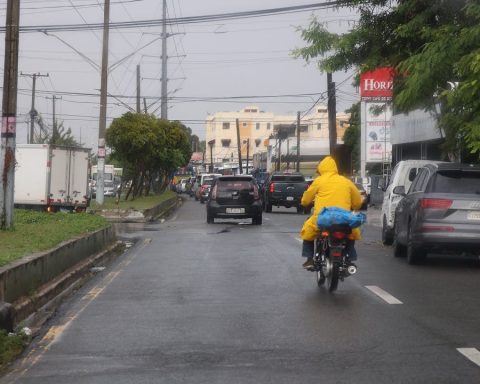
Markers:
383,294
471,354
298,239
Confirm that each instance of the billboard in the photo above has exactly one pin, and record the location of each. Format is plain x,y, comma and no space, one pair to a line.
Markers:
376,91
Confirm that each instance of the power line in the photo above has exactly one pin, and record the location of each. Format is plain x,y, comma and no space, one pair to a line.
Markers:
180,20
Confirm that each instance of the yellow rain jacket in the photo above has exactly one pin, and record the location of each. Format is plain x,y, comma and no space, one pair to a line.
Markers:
329,190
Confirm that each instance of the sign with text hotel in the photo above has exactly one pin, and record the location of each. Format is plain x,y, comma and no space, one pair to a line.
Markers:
377,84
376,91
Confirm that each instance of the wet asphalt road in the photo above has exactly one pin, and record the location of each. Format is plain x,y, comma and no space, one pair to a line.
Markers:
230,303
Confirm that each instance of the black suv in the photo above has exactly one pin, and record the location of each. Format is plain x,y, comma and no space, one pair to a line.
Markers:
234,197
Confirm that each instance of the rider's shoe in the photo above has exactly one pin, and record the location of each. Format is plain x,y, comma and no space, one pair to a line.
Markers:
309,264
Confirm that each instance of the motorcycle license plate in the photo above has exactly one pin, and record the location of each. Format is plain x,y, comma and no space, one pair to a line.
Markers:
473,215
290,198
235,210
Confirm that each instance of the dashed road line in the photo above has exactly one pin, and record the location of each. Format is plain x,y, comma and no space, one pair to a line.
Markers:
472,354
298,239
383,294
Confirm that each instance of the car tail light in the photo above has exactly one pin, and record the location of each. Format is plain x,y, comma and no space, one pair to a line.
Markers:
214,193
339,235
256,195
272,187
436,203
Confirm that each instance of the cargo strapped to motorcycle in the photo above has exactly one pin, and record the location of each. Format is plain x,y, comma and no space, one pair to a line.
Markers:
338,216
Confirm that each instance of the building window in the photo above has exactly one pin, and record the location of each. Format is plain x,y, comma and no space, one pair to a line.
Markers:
319,126
257,142
226,126
322,110
244,124
257,126
269,125
226,143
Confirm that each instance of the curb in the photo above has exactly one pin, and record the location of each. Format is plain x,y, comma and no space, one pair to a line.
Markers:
147,215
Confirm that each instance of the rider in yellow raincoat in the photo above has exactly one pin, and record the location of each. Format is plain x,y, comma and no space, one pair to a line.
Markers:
328,190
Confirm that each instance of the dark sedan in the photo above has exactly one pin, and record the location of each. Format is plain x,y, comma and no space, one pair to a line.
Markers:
234,197
440,212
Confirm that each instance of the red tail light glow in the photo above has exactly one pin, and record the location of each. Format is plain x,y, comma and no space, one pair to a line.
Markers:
339,235
272,187
336,253
436,203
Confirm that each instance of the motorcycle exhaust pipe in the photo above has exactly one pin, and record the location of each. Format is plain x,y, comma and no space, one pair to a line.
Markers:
352,269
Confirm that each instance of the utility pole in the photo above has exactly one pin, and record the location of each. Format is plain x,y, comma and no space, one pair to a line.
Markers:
332,113
54,119
138,89
239,147
164,105
248,151
103,105
298,142
33,112
9,114
279,141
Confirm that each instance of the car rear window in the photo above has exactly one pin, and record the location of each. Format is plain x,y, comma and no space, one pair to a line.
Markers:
233,185
207,181
288,178
456,182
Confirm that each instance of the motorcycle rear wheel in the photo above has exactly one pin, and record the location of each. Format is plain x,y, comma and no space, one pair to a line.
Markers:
332,278
320,278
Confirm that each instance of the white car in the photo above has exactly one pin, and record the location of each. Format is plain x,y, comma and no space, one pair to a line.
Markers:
403,174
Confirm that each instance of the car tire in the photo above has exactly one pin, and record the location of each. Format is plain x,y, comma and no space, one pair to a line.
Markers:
300,209
387,234
398,249
268,207
201,201
210,218
257,220
415,255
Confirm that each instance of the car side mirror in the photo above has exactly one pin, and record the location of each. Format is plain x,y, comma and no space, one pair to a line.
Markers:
399,190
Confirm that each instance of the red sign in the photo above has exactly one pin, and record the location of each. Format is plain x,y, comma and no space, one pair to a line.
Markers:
377,83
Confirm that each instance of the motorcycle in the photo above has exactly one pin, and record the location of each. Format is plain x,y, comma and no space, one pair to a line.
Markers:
330,259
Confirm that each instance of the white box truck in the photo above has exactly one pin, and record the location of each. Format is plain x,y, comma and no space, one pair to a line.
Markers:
50,177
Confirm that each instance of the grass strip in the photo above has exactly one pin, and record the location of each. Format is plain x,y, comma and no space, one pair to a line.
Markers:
11,346
139,204
39,231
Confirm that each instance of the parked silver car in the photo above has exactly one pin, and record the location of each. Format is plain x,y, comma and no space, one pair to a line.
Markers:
440,212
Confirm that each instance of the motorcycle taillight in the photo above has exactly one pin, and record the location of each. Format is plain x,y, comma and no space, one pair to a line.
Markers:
339,235
336,252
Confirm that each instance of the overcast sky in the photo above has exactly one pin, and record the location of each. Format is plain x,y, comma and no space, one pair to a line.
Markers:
249,57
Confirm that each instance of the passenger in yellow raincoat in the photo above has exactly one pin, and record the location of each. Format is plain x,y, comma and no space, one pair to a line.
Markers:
328,190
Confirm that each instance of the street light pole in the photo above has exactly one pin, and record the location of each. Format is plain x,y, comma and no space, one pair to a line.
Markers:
9,115
103,105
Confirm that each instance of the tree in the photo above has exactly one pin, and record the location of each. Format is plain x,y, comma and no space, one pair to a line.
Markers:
351,138
431,44
60,137
149,150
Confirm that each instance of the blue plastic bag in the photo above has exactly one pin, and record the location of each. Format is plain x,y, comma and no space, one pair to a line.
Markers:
335,215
